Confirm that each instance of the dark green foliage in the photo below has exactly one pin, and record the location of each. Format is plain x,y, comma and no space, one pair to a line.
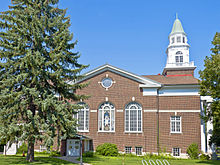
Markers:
22,148
54,154
210,86
193,151
204,157
38,68
107,149
155,156
88,154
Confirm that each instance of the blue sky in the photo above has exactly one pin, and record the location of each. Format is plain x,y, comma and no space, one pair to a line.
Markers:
133,34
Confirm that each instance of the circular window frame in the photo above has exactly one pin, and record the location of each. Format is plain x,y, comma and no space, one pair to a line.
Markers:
102,82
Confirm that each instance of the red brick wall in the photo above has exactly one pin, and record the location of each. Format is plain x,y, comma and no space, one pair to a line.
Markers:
180,72
120,94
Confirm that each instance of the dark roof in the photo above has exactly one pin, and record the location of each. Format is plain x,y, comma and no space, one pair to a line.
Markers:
173,79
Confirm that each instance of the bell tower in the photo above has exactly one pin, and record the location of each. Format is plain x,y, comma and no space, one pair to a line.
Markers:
178,63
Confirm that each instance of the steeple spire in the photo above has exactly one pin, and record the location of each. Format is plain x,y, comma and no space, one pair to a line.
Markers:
178,52
177,26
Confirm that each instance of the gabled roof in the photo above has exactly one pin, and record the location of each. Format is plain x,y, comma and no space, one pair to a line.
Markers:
143,80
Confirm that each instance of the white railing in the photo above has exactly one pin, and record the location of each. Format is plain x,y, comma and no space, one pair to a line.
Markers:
189,64
158,162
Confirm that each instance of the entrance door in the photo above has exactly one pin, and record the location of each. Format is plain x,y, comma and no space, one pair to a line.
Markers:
73,147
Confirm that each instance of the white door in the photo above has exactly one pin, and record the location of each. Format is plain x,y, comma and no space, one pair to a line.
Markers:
73,147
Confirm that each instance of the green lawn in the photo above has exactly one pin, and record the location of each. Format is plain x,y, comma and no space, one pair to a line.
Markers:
39,160
100,160
96,160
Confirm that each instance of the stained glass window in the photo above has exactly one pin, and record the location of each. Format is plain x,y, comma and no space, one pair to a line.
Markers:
107,82
106,117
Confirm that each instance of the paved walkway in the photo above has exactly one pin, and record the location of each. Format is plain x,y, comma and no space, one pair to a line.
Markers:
71,159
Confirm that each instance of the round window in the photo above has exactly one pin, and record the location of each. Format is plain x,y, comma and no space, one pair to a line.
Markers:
107,82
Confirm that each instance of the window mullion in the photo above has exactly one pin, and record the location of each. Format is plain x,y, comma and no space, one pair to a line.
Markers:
84,119
137,119
129,120
110,119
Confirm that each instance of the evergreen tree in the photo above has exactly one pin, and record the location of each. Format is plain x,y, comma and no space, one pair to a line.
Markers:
209,86
37,64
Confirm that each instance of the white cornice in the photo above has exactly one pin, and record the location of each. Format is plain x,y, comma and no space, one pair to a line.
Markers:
107,67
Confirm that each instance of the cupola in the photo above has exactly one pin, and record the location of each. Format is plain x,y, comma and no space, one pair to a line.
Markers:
178,53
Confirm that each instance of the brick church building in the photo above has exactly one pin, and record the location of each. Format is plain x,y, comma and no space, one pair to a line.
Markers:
142,114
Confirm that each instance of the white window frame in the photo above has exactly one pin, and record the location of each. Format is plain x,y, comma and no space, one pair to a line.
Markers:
139,147
86,111
86,145
177,151
127,109
184,40
126,149
178,37
175,126
172,40
101,111
179,59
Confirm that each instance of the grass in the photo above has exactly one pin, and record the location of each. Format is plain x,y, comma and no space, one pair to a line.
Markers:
40,159
100,160
96,160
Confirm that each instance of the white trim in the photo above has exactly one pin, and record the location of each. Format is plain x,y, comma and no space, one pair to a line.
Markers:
150,110
133,132
128,109
175,121
180,110
102,110
148,86
93,110
119,110
180,90
170,110
124,73
105,131
180,94
179,152
207,98
82,130
85,110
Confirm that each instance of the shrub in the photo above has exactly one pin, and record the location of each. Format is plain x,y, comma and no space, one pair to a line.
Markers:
204,157
88,154
22,148
193,151
107,149
54,154
155,156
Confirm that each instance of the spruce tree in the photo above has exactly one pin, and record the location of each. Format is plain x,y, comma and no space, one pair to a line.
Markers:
38,68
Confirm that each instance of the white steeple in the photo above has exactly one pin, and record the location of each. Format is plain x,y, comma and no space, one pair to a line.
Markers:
178,48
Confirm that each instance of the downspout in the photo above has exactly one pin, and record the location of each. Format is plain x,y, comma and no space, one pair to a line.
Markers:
158,123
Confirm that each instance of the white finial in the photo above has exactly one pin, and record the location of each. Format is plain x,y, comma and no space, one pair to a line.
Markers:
176,15
106,98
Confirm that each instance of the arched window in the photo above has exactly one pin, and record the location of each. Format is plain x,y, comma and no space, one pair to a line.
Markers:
133,117
106,117
83,117
179,57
